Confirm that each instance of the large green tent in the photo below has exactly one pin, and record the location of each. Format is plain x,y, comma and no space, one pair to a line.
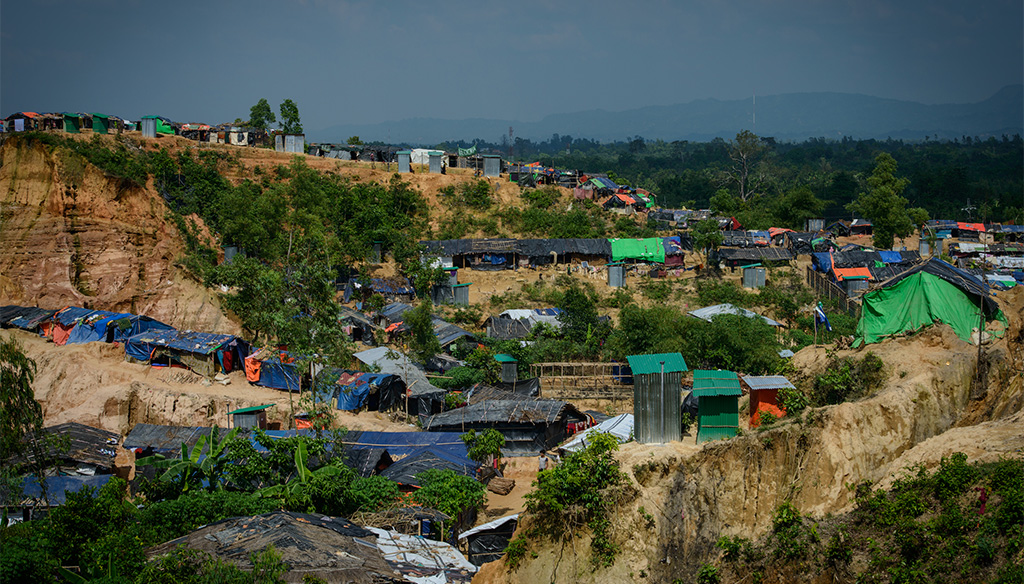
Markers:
934,292
650,249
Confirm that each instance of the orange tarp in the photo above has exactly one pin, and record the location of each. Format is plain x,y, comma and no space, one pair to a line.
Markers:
61,334
252,369
762,407
846,273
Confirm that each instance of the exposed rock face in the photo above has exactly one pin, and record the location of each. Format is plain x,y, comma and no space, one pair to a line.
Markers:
71,235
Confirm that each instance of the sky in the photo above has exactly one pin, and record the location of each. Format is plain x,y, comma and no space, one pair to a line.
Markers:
361,62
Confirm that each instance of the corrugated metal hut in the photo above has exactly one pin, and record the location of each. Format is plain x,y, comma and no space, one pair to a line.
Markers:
657,396
764,395
718,412
254,417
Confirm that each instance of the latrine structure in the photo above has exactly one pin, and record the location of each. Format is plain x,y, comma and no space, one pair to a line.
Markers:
657,396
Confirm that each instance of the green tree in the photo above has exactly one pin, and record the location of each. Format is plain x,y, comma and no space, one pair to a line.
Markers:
707,236
290,123
481,447
261,116
21,416
354,141
578,314
422,341
448,492
796,206
883,204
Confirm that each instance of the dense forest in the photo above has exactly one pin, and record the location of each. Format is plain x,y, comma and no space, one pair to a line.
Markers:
968,178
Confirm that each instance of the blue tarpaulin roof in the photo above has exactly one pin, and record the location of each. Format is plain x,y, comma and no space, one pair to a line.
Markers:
58,487
277,374
406,471
354,388
891,257
396,443
188,341
71,314
93,327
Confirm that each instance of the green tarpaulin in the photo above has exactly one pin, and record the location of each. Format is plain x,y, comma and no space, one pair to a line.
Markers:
914,302
162,127
467,151
650,249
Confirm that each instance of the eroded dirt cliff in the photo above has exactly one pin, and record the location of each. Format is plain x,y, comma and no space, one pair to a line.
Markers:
72,235
931,405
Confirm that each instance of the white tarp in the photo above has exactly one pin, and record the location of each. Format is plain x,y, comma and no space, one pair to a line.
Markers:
1007,261
422,155
398,548
532,317
620,426
709,312
492,524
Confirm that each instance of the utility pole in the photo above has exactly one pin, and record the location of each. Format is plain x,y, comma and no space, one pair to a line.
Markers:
510,143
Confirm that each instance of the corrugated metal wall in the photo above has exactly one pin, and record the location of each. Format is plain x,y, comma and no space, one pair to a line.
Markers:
718,417
656,408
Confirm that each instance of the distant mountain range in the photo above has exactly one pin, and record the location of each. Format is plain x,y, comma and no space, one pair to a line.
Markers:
787,117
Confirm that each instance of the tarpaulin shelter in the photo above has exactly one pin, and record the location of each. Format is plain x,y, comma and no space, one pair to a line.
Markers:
423,397
389,288
423,560
332,549
113,327
27,318
65,320
528,425
718,414
204,353
518,323
764,390
406,470
376,391
93,326
647,249
931,292
87,450
274,369
709,312
57,488
403,443
72,123
100,123
620,426
167,440
487,542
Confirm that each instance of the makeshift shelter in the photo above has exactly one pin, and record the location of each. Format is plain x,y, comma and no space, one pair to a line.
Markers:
391,289
718,413
274,369
65,321
27,318
167,440
203,353
57,489
710,312
422,396
528,425
620,203
72,123
406,471
931,292
620,426
93,326
764,395
329,548
375,391
518,323
419,559
367,462
487,542
84,450
657,386
400,444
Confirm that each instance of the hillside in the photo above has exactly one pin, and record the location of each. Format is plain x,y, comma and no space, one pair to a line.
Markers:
927,408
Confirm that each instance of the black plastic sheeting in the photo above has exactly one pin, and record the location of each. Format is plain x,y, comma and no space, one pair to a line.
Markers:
487,546
27,314
367,461
406,471
534,248
527,387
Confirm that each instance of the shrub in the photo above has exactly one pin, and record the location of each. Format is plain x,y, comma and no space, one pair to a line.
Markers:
708,574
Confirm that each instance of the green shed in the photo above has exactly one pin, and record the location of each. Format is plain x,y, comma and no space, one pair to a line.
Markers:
718,411
100,123
72,123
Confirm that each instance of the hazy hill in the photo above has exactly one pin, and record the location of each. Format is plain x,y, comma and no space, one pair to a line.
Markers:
794,116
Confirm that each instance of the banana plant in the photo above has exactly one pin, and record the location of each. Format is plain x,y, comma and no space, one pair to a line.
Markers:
296,489
192,468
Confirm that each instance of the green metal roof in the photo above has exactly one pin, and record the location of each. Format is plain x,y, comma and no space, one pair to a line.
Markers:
716,383
503,358
647,364
251,410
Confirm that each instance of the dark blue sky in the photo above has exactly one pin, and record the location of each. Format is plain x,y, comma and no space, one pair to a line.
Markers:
371,61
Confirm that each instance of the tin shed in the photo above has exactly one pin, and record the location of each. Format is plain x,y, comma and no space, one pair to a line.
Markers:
657,396
718,413
764,395
254,417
